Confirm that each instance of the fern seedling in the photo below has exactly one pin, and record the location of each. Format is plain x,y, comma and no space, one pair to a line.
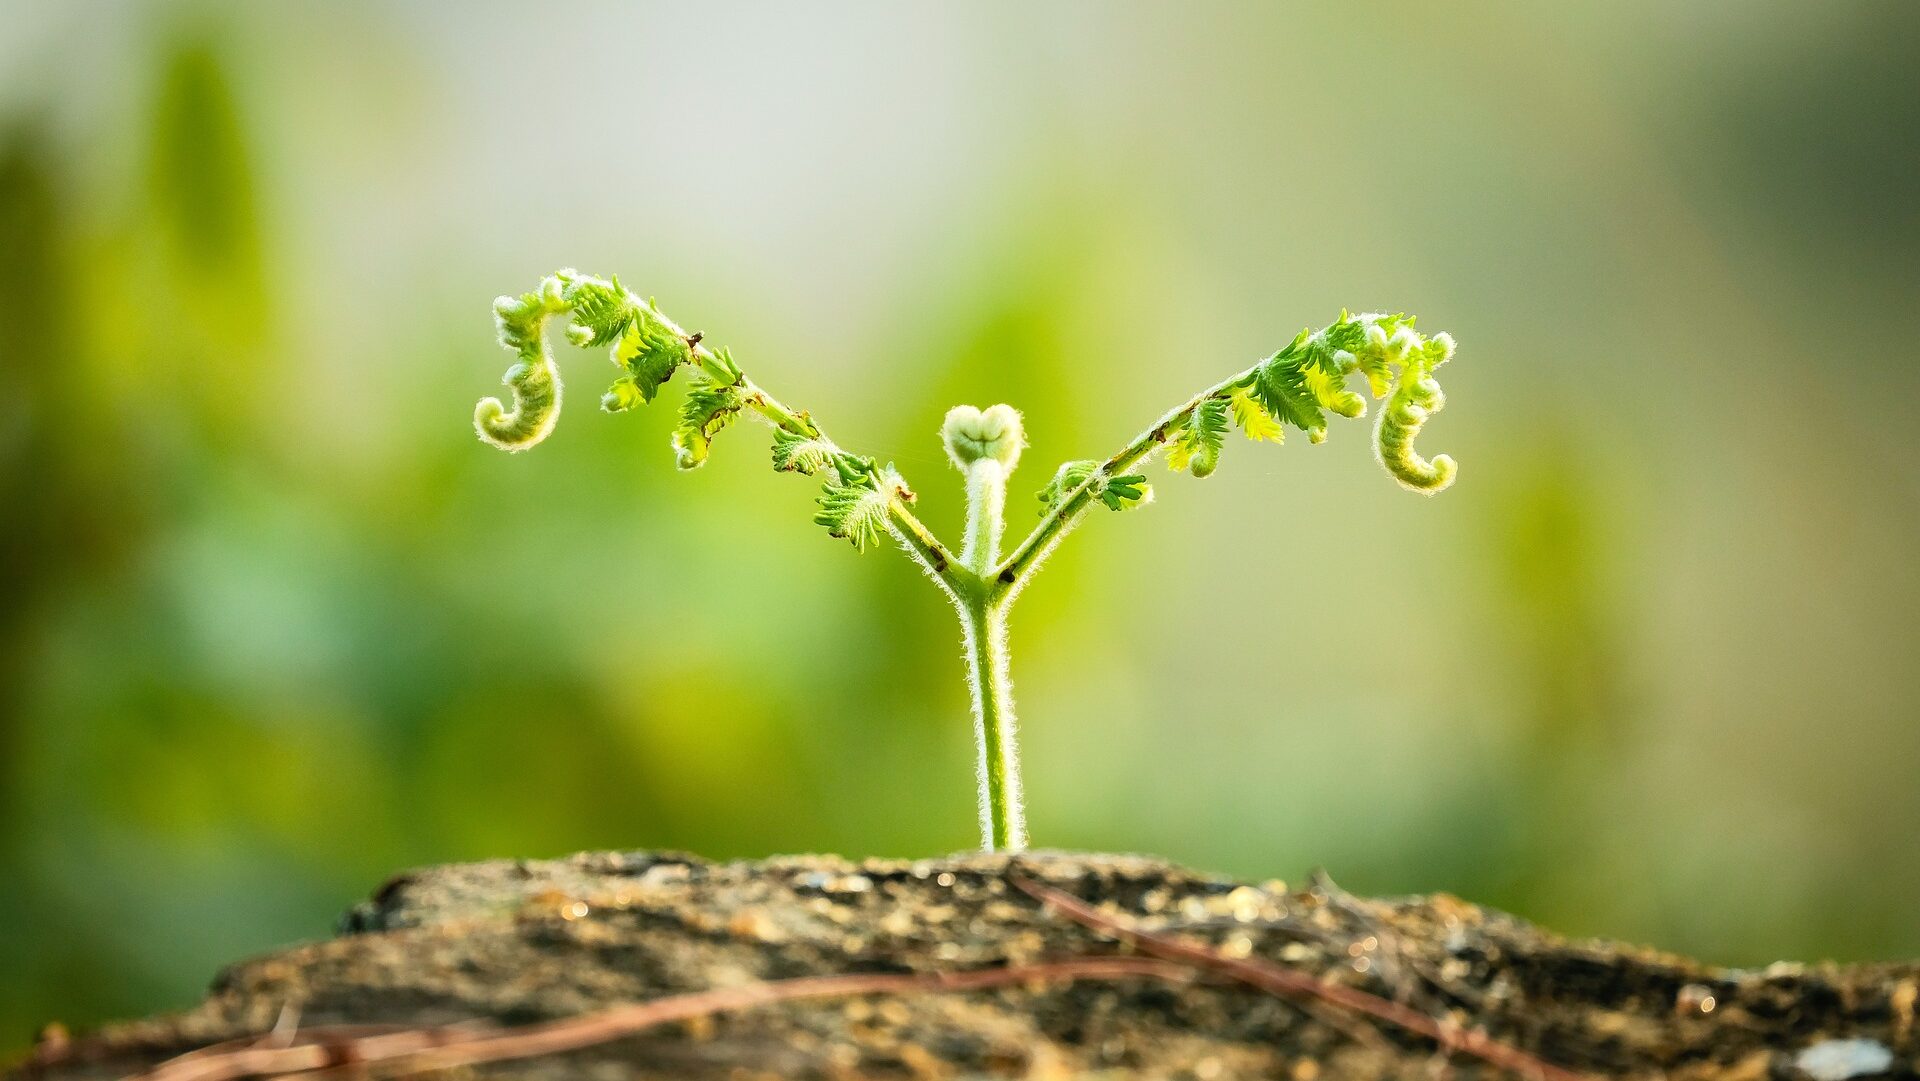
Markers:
863,501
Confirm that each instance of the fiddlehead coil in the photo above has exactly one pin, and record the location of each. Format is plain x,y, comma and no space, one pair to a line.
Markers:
1416,397
1302,383
643,345
534,379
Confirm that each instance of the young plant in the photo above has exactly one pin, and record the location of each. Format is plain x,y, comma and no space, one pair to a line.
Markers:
861,500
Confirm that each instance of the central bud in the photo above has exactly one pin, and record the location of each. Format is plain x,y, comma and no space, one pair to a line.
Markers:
972,435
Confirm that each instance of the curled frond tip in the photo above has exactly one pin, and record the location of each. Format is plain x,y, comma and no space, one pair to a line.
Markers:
643,345
1416,396
536,406
1302,384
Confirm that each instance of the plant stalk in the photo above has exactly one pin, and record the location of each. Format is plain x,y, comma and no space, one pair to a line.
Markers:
1003,826
986,515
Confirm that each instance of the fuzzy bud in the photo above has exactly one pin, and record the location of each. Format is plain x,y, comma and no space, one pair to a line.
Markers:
974,434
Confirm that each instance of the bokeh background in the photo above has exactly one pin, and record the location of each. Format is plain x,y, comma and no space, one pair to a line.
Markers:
273,624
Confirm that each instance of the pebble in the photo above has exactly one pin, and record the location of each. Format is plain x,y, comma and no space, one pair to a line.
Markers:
1244,903
1695,998
754,925
1839,1060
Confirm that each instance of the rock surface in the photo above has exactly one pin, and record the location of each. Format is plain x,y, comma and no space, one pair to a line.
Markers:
515,942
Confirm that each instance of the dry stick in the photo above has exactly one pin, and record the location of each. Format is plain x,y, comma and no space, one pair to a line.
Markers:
279,1037
1282,981
414,1050
97,1048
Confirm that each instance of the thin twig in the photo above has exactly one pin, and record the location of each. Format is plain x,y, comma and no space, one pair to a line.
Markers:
420,1049
1283,981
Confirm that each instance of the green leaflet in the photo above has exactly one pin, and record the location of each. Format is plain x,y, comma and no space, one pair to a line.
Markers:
1280,386
1252,417
855,507
650,353
1069,476
1196,444
1303,382
623,395
722,368
795,453
602,311
1327,382
1116,493
1125,493
709,407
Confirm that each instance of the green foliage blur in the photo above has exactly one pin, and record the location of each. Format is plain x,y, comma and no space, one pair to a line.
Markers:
273,624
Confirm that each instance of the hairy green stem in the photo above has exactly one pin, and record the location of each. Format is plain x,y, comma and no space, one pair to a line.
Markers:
922,546
984,623
986,515
1003,824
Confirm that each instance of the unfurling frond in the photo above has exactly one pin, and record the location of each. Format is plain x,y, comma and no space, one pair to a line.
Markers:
1298,386
520,322
645,346
1307,380
860,499
1416,396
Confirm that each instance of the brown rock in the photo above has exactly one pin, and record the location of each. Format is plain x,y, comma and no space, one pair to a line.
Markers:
513,942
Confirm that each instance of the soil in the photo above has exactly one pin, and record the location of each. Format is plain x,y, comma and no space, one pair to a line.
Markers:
514,942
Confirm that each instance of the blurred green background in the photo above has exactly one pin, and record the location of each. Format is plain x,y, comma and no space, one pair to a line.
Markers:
273,624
